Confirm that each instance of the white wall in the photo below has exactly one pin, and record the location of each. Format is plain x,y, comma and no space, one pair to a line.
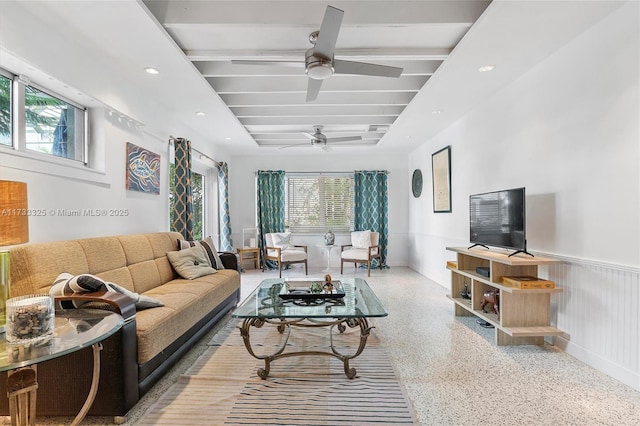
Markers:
242,195
568,131
53,190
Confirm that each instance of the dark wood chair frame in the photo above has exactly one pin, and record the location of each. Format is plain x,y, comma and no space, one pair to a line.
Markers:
372,255
281,263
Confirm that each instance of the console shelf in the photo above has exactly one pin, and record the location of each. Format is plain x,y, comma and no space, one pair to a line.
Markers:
524,314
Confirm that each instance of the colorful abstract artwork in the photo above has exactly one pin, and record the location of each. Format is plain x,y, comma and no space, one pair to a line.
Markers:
143,170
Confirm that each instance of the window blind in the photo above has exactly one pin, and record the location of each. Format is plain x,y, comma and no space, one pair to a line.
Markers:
319,203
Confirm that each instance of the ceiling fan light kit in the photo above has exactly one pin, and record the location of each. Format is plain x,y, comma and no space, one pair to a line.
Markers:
318,68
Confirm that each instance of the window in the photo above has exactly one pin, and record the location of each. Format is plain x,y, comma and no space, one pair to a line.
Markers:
5,110
198,194
53,126
318,203
33,119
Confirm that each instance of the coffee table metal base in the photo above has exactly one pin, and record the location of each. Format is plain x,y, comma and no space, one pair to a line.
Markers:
283,324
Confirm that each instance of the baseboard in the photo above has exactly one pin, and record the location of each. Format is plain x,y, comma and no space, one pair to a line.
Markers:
624,375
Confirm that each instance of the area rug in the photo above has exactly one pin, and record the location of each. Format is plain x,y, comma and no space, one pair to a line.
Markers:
222,387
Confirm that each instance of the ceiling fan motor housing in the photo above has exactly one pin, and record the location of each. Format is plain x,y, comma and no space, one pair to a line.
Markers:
317,67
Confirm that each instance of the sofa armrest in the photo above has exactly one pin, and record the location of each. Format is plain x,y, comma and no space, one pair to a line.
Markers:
230,260
120,303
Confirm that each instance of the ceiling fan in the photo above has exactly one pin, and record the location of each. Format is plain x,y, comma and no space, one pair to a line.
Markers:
319,140
319,61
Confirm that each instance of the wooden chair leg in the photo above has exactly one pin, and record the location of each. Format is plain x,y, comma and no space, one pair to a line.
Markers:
341,266
369,268
279,270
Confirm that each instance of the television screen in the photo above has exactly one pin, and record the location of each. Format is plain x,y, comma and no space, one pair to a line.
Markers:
498,219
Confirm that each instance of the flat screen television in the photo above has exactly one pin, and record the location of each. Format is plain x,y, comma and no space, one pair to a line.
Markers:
498,219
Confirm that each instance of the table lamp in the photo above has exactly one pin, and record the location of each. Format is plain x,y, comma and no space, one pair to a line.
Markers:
14,229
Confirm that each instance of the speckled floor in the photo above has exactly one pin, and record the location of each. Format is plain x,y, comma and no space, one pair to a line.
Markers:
452,372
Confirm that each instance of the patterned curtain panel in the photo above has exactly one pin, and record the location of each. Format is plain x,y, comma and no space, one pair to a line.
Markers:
371,207
271,205
183,199
226,244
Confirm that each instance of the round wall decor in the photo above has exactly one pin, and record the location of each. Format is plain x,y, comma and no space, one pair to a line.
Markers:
416,183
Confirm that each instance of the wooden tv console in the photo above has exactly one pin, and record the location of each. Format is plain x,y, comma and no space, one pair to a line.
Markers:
524,314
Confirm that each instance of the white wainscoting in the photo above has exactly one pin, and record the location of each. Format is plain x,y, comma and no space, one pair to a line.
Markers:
599,309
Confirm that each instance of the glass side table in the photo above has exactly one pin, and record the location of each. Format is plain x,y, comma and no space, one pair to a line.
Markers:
75,329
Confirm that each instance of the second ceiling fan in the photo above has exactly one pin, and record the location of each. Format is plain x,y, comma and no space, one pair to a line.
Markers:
319,140
319,61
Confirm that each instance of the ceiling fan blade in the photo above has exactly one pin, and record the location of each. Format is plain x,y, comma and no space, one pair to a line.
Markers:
296,64
344,139
363,68
309,135
328,35
326,148
293,146
313,88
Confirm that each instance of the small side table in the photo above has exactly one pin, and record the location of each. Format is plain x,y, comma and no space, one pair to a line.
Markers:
75,329
249,253
328,248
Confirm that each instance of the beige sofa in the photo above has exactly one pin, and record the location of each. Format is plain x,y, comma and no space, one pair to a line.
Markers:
150,342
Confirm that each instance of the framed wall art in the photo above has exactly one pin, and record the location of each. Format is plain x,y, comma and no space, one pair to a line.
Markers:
143,170
441,176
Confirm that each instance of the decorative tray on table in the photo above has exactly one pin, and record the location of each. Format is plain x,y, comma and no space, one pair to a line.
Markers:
312,290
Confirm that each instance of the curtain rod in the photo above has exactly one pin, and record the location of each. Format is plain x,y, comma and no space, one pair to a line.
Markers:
307,173
217,163
323,173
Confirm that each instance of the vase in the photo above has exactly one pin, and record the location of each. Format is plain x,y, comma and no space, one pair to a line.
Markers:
329,238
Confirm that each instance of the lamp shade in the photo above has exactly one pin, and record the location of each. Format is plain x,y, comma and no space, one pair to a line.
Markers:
14,219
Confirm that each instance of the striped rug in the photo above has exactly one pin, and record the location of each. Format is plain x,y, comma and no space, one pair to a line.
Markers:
222,387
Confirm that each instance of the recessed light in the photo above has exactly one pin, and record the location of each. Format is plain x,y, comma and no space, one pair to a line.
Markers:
200,113
436,111
227,138
486,68
152,71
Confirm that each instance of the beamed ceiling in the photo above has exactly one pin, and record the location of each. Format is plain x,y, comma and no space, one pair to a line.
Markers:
258,109
270,100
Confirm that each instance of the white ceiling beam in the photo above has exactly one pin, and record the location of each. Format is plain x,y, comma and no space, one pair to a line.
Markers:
362,54
306,144
298,135
175,13
324,98
227,69
311,109
226,85
311,121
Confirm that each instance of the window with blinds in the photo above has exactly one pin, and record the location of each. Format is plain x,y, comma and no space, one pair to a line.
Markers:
317,203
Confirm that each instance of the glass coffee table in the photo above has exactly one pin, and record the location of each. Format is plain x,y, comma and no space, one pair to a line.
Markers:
348,302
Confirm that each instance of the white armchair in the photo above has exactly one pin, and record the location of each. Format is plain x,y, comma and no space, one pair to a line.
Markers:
280,250
363,249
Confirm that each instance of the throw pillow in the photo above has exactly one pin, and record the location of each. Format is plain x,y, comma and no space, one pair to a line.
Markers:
361,239
191,263
283,240
209,247
67,283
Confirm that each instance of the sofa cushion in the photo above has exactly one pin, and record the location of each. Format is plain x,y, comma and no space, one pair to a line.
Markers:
191,263
209,247
186,302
